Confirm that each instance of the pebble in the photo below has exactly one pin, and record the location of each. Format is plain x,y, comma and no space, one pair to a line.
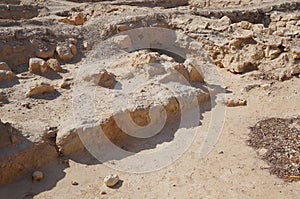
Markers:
37,175
111,180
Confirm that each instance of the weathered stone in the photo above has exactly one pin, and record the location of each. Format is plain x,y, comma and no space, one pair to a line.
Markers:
38,66
232,102
64,53
40,89
111,180
54,65
45,53
107,80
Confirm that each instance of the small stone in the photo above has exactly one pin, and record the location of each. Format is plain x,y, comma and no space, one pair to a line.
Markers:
73,49
45,53
40,89
111,180
265,86
38,66
107,79
225,20
37,175
232,102
64,53
74,183
4,66
54,65
262,151
103,193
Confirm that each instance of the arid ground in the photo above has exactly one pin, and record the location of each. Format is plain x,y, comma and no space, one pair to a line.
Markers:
84,84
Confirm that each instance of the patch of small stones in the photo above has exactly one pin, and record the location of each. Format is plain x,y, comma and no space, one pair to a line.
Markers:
279,139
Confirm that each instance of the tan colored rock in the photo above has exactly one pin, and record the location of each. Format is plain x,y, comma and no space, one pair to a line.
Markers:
6,76
224,20
4,66
45,53
268,40
38,66
107,80
40,89
194,74
73,49
64,53
75,19
54,65
232,102
111,180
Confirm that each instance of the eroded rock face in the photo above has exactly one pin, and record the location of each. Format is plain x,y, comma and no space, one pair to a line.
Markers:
54,65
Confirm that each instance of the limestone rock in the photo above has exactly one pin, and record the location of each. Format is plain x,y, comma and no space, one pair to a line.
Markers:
111,180
40,89
54,65
38,66
4,66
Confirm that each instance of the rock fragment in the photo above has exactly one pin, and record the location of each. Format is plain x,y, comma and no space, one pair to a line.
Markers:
232,102
37,175
38,66
107,80
54,65
111,180
40,89
64,52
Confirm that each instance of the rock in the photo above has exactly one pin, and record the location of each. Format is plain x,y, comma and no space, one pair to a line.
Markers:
45,53
38,66
232,102
37,175
225,20
107,80
6,76
64,53
54,65
66,83
4,66
111,180
75,19
265,86
2,96
262,151
73,49
74,183
40,89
